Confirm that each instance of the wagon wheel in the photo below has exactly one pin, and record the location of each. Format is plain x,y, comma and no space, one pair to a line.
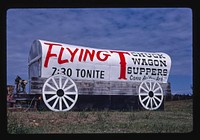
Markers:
150,94
59,93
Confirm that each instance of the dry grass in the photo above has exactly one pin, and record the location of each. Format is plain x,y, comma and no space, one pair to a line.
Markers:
176,118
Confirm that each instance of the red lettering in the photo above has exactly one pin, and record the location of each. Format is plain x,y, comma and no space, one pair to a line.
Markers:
102,59
81,54
84,55
122,64
72,53
60,61
49,54
88,53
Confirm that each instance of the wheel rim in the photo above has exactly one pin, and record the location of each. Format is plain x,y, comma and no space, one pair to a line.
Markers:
150,94
59,93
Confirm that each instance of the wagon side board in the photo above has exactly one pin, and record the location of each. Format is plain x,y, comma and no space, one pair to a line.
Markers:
93,87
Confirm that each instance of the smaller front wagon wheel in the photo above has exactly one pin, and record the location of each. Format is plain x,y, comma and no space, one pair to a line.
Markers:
59,93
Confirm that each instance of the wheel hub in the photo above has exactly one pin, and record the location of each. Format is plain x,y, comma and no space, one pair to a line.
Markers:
60,92
151,93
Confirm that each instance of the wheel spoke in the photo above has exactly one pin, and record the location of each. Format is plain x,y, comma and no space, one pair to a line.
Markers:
151,103
50,92
65,102
158,94
68,87
55,103
60,82
145,89
156,89
158,99
144,93
150,84
146,85
69,98
65,83
53,97
55,83
154,101
51,87
60,103
154,84
145,98
70,93
147,104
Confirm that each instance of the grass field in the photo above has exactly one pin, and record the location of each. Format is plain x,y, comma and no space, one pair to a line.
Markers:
177,117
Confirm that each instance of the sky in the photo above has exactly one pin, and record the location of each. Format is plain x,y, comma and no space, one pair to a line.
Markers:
167,30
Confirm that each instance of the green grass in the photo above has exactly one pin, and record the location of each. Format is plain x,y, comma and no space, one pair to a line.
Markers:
177,117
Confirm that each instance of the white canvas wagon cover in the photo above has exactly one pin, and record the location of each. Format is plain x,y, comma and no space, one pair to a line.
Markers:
50,58
62,72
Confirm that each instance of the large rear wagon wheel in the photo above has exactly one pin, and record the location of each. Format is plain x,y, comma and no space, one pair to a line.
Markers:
150,94
59,93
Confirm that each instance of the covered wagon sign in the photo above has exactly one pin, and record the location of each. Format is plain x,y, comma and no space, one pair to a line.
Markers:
98,64
105,72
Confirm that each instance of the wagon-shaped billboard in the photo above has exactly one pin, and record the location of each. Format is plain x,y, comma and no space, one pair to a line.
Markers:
62,72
